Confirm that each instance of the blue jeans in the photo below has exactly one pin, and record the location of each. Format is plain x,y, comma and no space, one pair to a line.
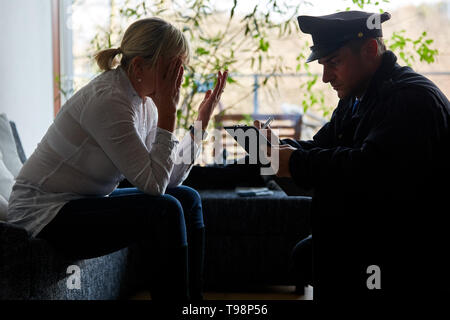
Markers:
162,225
185,196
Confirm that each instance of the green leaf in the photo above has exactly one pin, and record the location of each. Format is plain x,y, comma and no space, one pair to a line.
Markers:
263,45
201,51
233,8
247,119
230,80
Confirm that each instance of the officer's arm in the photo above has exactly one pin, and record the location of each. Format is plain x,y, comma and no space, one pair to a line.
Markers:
397,145
304,144
323,138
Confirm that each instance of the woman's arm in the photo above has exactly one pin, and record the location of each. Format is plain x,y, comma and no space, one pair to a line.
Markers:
187,152
110,120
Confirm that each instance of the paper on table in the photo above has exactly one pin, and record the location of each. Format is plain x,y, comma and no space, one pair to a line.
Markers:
251,192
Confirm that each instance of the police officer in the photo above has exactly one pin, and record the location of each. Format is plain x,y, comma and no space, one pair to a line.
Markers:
379,169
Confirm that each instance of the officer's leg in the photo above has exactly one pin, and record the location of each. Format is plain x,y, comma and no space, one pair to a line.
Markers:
301,264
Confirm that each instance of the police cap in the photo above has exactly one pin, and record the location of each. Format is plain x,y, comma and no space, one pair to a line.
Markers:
330,32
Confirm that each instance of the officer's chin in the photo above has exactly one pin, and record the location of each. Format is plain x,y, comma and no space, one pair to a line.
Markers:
342,93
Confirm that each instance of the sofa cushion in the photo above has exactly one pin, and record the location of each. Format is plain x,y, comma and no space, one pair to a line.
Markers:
3,208
8,147
32,269
6,181
113,276
19,146
250,239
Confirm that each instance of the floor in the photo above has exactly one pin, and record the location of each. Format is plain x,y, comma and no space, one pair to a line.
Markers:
266,293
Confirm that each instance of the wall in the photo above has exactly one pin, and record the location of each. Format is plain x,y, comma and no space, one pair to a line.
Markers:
26,92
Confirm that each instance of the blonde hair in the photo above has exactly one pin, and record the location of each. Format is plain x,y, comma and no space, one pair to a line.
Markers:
149,38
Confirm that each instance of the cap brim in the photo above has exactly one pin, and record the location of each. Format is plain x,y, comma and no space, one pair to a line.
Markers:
313,56
317,54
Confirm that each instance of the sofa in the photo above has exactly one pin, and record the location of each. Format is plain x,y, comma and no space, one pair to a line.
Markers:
248,242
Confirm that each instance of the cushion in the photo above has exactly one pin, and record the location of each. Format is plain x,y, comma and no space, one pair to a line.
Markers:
3,208
8,147
19,146
6,180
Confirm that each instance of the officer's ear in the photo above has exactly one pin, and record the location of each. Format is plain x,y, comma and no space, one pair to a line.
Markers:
369,49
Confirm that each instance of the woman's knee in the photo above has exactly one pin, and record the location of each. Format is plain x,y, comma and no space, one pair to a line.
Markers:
173,209
187,195
192,204
169,225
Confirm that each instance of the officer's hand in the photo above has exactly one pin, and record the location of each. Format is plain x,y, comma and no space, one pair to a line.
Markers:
267,132
284,154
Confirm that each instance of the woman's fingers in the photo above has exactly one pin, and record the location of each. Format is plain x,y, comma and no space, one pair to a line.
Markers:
159,71
170,73
213,96
224,81
225,77
174,70
180,77
216,88
221,81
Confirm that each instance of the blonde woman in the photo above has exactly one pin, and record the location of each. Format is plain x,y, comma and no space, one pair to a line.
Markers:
120,126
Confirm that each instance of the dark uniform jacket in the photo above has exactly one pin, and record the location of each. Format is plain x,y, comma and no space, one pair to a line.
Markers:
380,178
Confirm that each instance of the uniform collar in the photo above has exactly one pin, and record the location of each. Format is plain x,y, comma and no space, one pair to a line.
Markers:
383,73
377,82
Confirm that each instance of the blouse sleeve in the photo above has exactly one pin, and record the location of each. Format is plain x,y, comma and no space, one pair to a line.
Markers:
111,123
187,152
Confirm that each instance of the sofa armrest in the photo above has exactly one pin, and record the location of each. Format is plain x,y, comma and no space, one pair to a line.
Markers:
15,266
10,234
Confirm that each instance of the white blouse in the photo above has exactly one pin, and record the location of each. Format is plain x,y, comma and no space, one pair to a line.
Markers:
103,134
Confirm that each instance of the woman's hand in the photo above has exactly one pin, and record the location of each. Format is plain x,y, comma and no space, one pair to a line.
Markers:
211,100
167,92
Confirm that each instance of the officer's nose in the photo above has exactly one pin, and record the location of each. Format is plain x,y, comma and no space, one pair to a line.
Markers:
327,74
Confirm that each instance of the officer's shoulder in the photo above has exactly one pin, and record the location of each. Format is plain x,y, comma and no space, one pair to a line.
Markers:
411,87
405,80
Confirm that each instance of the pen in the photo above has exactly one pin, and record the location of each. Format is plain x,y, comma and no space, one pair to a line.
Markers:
265,125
